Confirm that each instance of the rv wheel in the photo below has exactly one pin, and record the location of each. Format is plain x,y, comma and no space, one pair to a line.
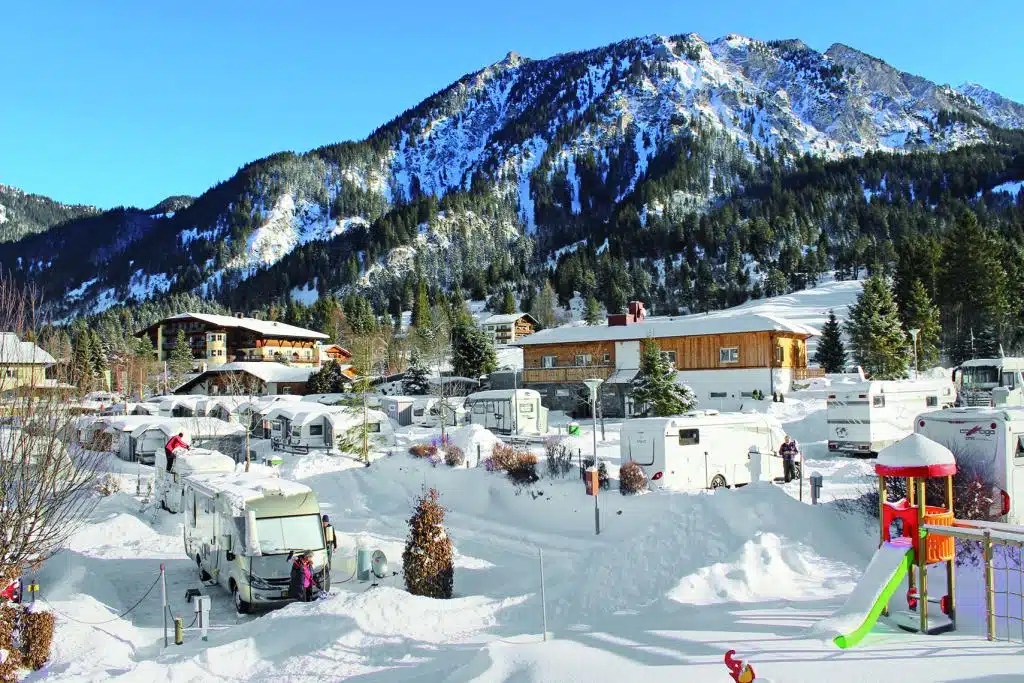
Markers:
241,606
718,482
203,574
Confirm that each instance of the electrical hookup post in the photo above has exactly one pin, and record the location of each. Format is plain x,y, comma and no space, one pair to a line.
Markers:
593,480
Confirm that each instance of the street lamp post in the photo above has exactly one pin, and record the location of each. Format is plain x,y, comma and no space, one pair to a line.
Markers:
593,385
913,333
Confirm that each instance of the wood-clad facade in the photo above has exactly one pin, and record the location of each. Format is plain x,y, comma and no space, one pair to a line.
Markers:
726,369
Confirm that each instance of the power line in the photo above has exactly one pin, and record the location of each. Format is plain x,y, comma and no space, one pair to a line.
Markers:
100,623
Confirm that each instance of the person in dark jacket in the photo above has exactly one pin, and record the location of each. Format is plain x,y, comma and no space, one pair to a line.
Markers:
788,451
302,581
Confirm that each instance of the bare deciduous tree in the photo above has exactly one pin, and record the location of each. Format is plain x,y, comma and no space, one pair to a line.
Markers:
46,488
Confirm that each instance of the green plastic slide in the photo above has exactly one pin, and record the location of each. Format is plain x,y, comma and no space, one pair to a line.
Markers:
864,605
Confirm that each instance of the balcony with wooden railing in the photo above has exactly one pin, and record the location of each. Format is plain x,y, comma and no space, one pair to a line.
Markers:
800,374
566,374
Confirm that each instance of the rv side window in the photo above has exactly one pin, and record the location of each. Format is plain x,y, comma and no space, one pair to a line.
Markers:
1007,380
417,412
525,407
718,394
316,430
932,402
689,437
478,407
296,430
373,427
878,401
1019,454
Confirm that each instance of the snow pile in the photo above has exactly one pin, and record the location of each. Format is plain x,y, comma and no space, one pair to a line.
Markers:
471,437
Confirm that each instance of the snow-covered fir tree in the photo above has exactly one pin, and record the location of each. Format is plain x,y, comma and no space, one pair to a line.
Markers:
831,354
415,382
655,390
878,342
920,313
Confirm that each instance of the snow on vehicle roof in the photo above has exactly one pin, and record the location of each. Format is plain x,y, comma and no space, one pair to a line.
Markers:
699,417
244,487
200,460
893,386
191,427
915,456
503,394
675,326
1008,362
1004,413
268,328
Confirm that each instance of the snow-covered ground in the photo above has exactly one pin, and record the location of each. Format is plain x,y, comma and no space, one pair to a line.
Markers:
672,582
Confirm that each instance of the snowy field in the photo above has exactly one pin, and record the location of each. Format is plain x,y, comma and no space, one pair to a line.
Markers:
673,581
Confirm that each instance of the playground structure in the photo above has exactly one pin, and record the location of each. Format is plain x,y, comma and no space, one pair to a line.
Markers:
925,535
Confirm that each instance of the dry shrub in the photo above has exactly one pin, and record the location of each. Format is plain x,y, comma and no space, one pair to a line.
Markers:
37,629
453,456
9,667
503,457
559,456
423,450
631,478
427,564
101,441
109,484
520,466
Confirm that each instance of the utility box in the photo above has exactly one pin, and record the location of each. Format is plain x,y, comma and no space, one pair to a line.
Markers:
592,478
815,488
574,429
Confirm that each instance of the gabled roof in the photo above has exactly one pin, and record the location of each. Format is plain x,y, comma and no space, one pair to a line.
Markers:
505,318
266,371
675,326
268,328
15,351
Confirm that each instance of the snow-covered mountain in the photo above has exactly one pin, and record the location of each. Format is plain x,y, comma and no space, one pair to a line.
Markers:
544,140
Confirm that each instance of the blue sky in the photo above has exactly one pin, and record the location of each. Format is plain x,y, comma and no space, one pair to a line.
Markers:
110,103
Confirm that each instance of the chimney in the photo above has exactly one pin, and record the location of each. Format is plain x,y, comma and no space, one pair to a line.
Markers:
635,314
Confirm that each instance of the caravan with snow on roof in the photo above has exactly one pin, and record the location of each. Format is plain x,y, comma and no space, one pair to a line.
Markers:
169,487
508,411
240,529
994,439
990,382
704,449
141,438
302,426
866,417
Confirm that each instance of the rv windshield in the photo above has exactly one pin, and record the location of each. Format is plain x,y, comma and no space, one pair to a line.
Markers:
278,535
980,377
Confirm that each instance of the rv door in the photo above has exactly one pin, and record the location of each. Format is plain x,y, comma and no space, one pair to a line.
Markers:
1015,483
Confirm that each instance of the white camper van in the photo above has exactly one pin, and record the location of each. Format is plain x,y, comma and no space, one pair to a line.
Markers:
169,487
990,382
240,528
866,417
995,436
508,411
703,449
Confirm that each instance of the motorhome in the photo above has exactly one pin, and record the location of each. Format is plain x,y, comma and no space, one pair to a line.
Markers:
169,487
241,528
990,382
995,438
424,411
508,411
866,417
302,426
704,449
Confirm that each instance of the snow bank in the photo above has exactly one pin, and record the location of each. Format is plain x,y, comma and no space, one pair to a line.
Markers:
469,438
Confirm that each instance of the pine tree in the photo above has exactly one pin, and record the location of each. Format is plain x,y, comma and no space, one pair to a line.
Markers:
421,306
508,302
592,311
472,352
655,390
415,382
831,354
81,362
427,565
328,379
543,308
920,313
877,340
181,360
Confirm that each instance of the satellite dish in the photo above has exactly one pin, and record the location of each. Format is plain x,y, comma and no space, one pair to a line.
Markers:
379,562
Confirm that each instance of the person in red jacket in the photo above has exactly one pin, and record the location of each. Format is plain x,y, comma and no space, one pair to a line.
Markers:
175,442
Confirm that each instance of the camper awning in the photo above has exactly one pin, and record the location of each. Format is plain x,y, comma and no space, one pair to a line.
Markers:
622,376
